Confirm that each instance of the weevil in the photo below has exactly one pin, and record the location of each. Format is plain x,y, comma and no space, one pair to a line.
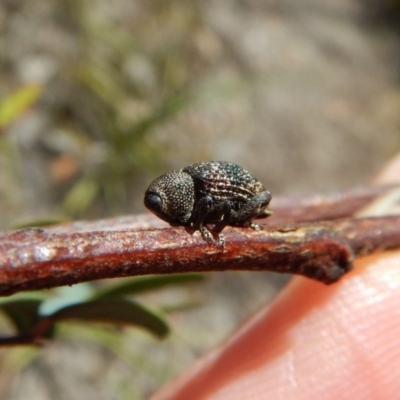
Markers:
214,193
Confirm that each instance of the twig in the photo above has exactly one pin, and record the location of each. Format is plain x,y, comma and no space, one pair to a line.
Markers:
34,258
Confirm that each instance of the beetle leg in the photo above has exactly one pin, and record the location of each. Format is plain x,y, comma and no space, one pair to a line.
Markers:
203,208
208,236
225,211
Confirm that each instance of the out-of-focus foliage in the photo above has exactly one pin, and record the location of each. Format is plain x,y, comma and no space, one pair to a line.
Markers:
122,113
384,11
13,106
107,93
34,315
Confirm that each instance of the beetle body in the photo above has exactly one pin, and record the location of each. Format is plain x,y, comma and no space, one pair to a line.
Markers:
215,193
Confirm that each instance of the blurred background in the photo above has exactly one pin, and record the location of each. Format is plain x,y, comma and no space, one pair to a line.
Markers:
98,98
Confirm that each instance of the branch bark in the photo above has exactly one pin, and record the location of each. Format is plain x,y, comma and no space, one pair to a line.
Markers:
35,258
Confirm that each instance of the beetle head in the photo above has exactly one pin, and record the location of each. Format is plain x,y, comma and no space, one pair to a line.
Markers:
171,197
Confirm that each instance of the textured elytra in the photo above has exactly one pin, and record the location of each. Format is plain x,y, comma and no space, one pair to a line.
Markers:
224,180
216,192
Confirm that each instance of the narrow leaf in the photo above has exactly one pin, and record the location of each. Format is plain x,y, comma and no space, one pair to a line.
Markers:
23,313
117,311
18,102
65,297
40,223
142,284
81,196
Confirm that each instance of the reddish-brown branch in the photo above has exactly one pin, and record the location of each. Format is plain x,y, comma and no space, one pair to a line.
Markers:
326,207
35,258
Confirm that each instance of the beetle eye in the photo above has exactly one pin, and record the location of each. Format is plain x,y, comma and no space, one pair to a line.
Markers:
153,201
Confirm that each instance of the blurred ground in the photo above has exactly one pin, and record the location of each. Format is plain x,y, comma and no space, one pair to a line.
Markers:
305,94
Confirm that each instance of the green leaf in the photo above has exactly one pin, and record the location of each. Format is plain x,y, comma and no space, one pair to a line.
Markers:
119,311
23,312
81,196
39,223
166,110
66,296
143,284
18,102
100,81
